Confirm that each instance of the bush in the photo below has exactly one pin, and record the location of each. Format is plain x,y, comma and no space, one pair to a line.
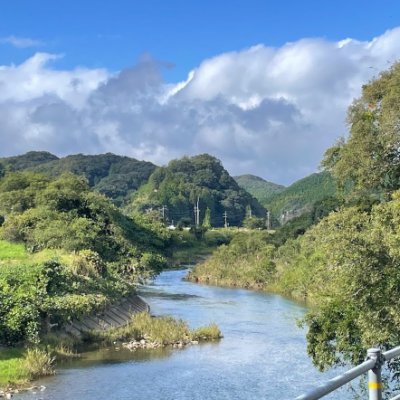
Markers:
163,331
210,332
38,363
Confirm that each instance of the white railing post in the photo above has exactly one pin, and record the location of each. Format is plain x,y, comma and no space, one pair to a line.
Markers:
374,375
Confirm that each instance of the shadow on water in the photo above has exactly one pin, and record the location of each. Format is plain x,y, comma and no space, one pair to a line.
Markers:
115,355
167,296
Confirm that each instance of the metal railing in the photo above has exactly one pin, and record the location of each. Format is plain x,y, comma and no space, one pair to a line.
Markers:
372,365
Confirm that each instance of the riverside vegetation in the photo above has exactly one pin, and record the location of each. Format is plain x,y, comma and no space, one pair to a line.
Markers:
65,251
342,257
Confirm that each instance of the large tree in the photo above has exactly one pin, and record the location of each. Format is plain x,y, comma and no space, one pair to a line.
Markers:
368,161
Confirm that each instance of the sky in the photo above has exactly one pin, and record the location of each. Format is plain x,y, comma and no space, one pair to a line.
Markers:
262,85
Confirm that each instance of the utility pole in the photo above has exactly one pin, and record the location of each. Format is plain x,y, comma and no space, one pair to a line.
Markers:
268,221
163,209
197,214
225,219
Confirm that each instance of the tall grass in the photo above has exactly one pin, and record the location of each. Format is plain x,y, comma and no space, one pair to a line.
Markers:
38,363
207,333
18,366
163,331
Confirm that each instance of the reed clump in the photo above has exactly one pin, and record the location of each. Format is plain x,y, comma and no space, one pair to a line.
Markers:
155,332
38,363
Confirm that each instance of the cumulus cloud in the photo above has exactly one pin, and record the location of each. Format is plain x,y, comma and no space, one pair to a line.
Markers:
20,42
262,110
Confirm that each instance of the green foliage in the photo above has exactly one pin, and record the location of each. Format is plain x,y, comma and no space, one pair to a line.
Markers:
27,161
202,177
299,197
246,262
64,213
348,266
368,162
261,189
254,223
207,333
297,226
11,367
163,331
114,176
38,363
21,292
185,248
12,251
66,251
207,219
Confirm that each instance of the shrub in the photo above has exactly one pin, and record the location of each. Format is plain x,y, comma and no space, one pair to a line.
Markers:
209,332
38,363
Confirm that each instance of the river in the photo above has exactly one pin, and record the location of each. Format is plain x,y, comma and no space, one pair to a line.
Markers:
262,355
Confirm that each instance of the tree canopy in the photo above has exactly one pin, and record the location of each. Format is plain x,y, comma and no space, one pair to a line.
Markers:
114,176
79,251
202,178
367,163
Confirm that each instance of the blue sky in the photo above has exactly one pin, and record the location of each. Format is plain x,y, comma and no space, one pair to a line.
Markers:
113,34
264,86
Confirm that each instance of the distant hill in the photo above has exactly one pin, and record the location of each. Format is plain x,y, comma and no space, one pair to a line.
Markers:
27,161
114,176
179,185
301,195
258,187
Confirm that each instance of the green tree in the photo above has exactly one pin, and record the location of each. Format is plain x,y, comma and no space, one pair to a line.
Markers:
347,265
202,177
368,162
207,219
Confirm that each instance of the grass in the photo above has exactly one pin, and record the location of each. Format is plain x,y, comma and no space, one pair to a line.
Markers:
207,333
38,363
12,251
164,331
18,366
12,368
12,254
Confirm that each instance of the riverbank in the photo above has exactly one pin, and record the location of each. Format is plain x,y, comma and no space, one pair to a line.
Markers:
19,366
189,248
250,261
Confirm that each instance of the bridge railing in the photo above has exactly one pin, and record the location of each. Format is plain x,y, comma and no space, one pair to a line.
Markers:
372,365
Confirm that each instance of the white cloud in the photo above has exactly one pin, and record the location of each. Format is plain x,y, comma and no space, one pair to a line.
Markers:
35,79
21,42
267,111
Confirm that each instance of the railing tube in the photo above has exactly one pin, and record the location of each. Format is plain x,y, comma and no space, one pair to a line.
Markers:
338,381
393,353
374,375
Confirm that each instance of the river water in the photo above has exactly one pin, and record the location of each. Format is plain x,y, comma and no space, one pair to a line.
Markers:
262,355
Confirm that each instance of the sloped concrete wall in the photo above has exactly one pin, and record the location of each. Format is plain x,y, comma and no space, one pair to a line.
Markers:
112,317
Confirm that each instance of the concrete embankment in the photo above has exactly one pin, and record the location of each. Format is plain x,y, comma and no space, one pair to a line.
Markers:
113,316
